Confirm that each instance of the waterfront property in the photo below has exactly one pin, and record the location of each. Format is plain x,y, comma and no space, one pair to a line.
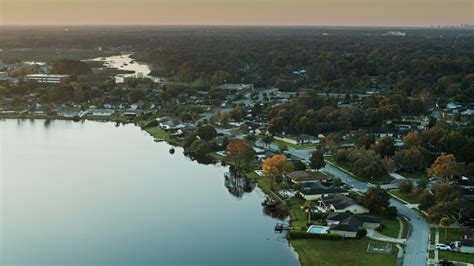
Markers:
306,177
340,203
347,225
314,191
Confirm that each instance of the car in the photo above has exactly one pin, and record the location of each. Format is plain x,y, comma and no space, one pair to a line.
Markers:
442,247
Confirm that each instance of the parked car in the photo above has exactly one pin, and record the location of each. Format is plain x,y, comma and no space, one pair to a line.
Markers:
443,247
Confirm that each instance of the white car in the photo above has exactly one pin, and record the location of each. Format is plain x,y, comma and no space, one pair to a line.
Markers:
442,247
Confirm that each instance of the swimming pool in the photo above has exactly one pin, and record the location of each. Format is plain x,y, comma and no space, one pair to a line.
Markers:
317,229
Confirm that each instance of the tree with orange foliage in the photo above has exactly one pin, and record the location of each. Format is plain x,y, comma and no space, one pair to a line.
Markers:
276,166
445,166
240,153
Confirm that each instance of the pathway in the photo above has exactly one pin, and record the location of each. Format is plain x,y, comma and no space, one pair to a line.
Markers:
373,234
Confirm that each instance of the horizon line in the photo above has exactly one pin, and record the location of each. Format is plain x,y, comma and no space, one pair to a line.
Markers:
237,25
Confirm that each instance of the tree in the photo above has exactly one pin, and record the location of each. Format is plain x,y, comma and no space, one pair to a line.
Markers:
449,203
276,166
405,186
426,200
384,147
241,153
445,222
316,161
276,125
376,199
411,159
206,132
445,167
267,139
308,206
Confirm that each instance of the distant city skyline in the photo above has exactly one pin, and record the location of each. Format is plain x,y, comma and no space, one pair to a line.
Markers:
238,12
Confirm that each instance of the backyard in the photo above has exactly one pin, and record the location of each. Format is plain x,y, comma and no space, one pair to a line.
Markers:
333,252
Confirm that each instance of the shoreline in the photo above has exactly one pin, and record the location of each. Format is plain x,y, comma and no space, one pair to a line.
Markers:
169,141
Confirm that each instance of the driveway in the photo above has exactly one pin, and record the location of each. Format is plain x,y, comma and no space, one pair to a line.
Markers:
417,242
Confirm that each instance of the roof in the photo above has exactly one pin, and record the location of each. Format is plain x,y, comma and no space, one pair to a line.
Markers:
350,224
306,176
343,216
467,242
318,189
339,201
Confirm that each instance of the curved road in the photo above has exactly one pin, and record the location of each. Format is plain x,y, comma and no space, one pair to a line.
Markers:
416,250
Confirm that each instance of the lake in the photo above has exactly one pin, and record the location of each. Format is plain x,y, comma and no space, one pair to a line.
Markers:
126,62
91,193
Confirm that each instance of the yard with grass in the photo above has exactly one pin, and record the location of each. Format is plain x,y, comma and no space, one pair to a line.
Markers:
342,252
453,234
410,198
158,133
415,175
293,146
391,227
406,228
346,169
432,235
456,256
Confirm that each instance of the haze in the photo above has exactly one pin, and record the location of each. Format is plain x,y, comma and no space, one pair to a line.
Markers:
238,12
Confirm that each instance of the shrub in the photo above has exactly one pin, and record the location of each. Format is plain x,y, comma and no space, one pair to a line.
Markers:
361,233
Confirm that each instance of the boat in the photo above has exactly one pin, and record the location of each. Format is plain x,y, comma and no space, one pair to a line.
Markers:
172,151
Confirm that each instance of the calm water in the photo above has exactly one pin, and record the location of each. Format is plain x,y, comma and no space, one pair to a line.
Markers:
126,62
89,193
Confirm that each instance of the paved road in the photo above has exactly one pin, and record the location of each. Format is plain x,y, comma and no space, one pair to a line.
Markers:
418,240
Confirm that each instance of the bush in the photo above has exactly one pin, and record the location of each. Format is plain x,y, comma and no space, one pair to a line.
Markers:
361,233
305,235
406,186
391,212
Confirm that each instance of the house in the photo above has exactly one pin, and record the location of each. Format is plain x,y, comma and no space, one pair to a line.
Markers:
298,139
347,225
101,112
467,246
306,176
316,190
45,78
68,112
236,87
340,203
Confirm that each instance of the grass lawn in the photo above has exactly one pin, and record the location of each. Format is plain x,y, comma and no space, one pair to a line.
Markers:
406,197
346,168
406,228
343,252
300,217
415,175
289,145
264,182
158,133
433,235
454,234
456,256
391,227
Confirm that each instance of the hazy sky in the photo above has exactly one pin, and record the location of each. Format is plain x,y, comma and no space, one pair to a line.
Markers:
239,12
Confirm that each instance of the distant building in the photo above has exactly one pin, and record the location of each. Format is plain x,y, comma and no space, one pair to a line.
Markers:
236,87
46,78
3,76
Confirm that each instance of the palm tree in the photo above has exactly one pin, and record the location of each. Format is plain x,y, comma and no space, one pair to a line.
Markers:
308,206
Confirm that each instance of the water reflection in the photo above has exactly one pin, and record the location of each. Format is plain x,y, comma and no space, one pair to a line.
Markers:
238,185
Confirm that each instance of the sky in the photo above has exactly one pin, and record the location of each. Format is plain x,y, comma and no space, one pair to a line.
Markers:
238,12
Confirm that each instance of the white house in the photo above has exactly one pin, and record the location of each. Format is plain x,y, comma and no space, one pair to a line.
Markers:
46,78
340,203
